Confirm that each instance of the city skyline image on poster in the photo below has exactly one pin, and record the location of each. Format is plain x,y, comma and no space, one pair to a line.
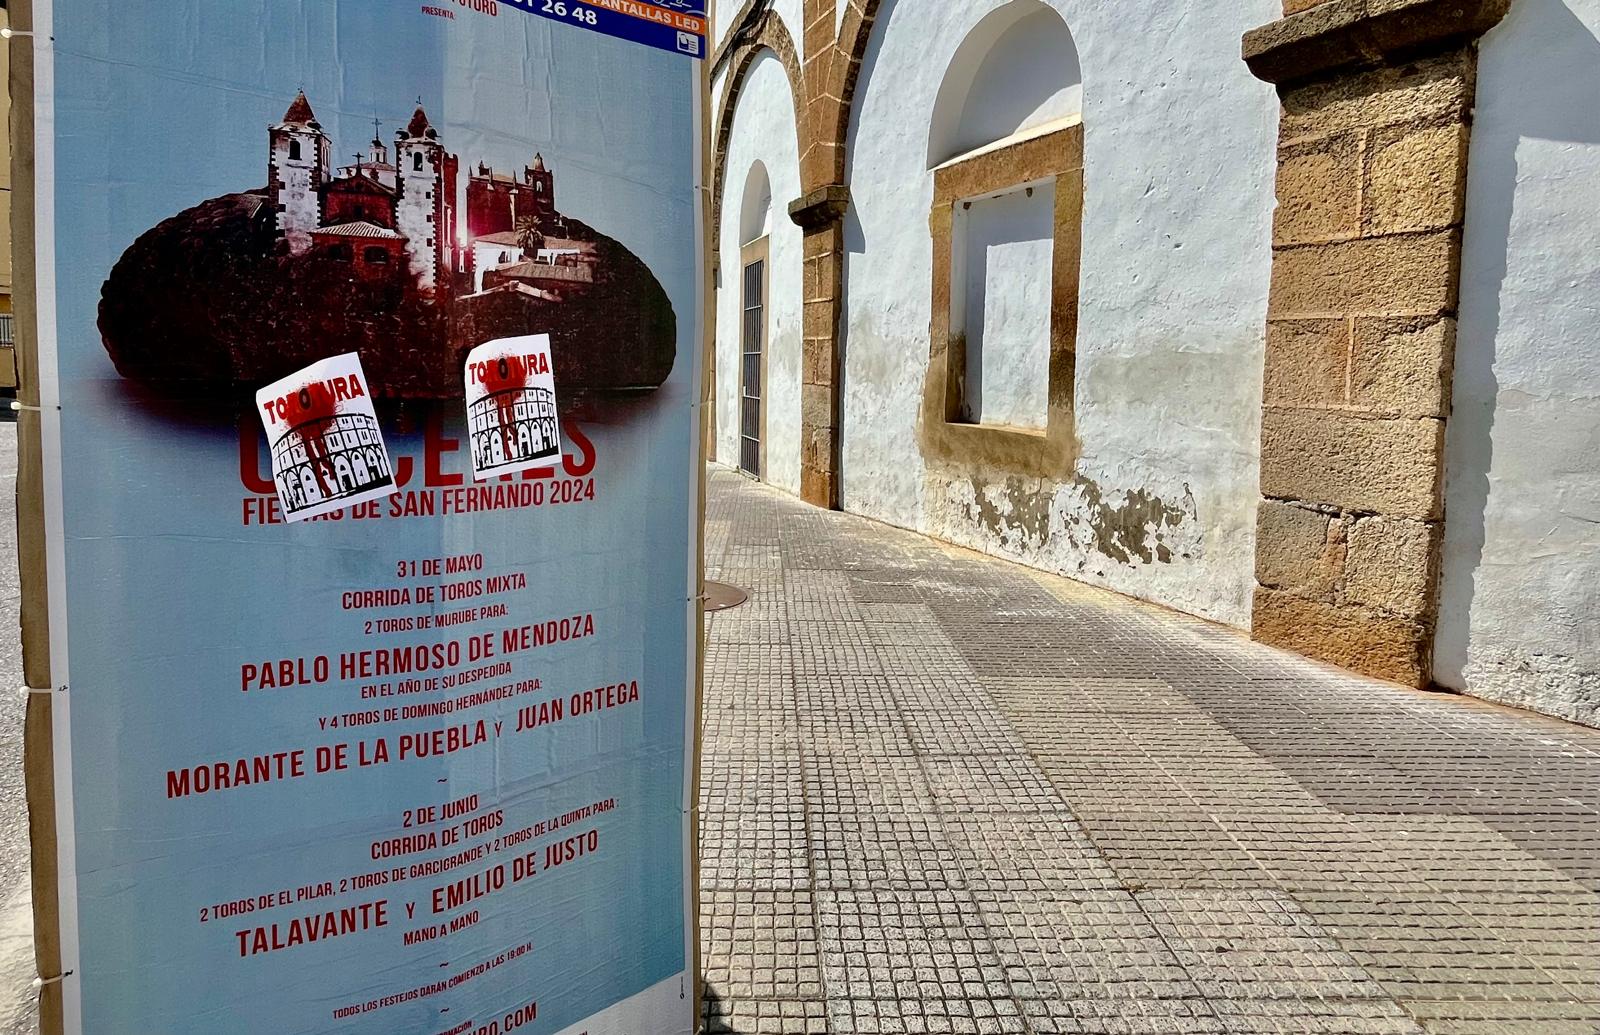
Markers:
418,759
400,254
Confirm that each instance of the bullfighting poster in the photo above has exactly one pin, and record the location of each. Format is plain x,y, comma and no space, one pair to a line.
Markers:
349,738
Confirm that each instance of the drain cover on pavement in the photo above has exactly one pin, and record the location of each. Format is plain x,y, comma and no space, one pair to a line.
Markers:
720,596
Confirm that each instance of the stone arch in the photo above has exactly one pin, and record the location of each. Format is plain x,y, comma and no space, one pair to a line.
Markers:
844,71
1017,69
838,88
770,34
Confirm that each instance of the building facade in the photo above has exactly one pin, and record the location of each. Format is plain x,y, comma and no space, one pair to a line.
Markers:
377,214
1278,313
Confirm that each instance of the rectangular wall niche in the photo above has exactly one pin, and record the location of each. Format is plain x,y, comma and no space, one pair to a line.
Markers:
1000,298
1005,227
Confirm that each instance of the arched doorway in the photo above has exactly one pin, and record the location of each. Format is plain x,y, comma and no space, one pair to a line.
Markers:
755,227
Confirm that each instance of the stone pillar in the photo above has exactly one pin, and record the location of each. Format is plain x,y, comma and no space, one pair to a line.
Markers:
822,119
1377,102
820,214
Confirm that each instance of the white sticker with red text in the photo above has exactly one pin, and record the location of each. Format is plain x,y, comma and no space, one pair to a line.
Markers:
511,406
327,449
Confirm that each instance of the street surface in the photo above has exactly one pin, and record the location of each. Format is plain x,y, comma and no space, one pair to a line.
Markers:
16,911
943,793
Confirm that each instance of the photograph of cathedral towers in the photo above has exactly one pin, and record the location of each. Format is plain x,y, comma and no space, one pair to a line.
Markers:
375,212
397,249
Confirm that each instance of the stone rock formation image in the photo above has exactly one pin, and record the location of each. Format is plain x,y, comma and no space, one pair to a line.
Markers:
373,257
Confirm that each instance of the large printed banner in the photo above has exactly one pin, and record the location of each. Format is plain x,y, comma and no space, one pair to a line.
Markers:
378,652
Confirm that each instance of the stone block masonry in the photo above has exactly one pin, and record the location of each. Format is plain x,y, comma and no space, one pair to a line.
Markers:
1376,117
822,74
819,215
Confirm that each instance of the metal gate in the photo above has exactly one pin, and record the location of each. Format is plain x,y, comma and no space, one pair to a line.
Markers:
750,393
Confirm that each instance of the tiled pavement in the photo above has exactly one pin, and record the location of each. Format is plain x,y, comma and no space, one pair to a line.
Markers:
942,793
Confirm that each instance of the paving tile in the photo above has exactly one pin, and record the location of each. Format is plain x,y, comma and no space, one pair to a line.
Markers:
942,793
991,783
1500,1017
1315,1017
1465,855
760,945
943,694
870,589
874,849
1253,944
840,693
1045,852
1425,947
834,646
931,1015
752,822
1321,850
1558,931
1121,1017
1092,945
843,784
884,944
759,695
905,610
746,733
746,1016
976,729
1170,848
1570,843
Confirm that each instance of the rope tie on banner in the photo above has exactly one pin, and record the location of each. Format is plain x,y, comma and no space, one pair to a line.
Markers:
17,406
40,982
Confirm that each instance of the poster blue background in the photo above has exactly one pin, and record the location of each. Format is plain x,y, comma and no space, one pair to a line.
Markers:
160,106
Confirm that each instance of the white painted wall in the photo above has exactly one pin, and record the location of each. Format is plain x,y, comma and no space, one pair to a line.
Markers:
1520,608
763,131
1009,74
1001,302
1179,152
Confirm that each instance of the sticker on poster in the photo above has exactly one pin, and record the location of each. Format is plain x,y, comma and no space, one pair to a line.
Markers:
327,450
511,406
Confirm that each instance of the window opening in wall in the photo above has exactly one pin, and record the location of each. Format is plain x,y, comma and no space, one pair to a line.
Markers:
1005,149
753,334
1002,252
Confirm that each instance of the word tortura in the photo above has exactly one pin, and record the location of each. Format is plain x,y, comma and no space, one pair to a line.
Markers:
407,659
511,368
318,397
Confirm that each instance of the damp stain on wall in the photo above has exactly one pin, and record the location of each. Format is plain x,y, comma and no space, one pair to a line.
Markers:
1131,527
